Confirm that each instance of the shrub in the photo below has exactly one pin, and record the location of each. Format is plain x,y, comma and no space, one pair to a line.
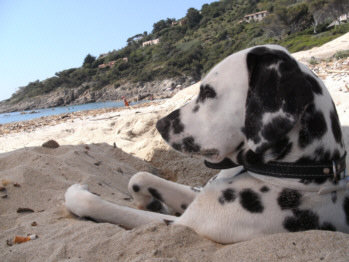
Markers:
341,54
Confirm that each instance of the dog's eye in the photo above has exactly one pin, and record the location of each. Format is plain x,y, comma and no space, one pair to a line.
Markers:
206,92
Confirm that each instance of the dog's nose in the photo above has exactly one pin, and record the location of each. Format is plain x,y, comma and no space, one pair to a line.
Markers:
163,126
160,124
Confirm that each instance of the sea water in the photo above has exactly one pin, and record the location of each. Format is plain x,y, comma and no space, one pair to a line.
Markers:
37,113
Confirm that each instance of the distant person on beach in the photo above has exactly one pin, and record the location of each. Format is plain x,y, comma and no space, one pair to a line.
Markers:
125,101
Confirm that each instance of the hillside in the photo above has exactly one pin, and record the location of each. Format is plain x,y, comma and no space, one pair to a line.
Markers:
180,52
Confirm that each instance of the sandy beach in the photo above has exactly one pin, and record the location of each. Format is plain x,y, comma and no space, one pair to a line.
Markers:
103,149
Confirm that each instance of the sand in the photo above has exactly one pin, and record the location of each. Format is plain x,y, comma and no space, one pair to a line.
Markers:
103,150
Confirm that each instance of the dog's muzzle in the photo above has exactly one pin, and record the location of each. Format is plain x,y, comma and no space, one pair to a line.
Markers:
169,123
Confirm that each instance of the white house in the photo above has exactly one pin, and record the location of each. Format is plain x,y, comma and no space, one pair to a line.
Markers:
256,16
151,42
341,19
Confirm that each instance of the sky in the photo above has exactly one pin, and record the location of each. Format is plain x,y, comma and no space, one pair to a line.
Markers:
41,37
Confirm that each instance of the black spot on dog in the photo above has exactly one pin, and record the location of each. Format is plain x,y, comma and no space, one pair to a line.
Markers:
313,84
189,145
178,127
322,154
184,206
177,146
228,195
318,181
301,221
135,188
252,158
251,201
313,126
346,209
272,129
240,158
289,199
334,196
328,226
206,92
154,205
265,189
239,146
281,148
336,129
196,108
335,154
195,189
155,193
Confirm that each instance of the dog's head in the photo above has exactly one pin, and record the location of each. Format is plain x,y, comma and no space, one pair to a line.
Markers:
251,101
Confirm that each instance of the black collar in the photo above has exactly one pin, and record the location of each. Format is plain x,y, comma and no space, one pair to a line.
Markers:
330,169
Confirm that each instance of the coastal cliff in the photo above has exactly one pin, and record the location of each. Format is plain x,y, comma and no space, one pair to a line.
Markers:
157,89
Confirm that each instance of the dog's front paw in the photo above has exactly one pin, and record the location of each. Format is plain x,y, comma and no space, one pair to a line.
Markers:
78,199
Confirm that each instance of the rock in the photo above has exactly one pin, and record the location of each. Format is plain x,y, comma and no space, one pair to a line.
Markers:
50,144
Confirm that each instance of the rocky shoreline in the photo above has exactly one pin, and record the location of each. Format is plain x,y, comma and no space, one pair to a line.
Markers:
157,89
32,125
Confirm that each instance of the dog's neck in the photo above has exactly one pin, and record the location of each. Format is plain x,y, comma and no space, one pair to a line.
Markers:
308,142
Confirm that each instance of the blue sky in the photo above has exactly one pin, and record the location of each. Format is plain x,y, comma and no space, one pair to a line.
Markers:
41,37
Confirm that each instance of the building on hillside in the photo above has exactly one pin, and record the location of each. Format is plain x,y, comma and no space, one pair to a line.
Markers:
103,55
110,64
342,19
259,16
151,42
180,22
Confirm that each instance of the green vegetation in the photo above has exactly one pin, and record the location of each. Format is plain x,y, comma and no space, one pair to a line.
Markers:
202,39
341,54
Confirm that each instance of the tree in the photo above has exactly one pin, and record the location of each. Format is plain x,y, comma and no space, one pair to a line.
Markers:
162,24
275,23
89,59
298,17
338,8
212,10
193,17
318,10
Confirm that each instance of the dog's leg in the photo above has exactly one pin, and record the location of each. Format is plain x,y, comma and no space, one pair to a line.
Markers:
151,192
84,204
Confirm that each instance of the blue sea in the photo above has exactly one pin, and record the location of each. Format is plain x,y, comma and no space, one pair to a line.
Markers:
37,113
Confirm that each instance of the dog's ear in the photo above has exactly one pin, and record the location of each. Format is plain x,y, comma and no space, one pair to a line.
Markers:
277,96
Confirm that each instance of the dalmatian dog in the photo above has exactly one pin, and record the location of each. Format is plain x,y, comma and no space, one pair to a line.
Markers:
270,125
